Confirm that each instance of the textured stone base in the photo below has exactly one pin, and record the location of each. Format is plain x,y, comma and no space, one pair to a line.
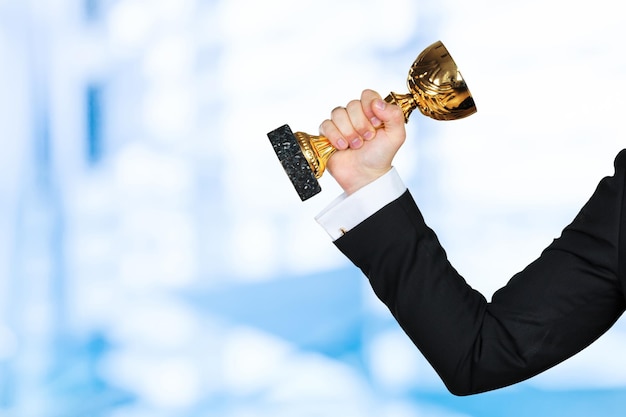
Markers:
295,164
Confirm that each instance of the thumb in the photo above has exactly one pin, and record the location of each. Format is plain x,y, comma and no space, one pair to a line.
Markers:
391,117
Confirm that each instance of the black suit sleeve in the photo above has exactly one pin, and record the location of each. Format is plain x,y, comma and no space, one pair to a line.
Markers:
546,313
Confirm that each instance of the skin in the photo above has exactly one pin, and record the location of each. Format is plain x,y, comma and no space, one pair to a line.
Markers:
368,133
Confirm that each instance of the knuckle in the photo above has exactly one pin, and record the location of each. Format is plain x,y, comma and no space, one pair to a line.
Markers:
339,109
354,104
326,127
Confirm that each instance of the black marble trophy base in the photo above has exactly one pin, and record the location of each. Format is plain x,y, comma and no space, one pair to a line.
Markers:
294,162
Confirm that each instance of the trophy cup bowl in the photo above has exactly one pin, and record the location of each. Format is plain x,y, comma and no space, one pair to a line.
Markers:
436,88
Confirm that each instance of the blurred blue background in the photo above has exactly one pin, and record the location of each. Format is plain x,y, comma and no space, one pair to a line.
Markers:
156,261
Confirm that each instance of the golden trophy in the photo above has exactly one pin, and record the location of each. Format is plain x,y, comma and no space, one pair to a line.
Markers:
436,88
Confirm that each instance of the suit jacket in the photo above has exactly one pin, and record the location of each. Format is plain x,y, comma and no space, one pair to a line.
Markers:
551,310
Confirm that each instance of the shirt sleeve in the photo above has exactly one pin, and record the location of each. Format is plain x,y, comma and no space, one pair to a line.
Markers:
347,211
551,310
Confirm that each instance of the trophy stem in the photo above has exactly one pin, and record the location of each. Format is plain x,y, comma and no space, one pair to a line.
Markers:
317,150
406,102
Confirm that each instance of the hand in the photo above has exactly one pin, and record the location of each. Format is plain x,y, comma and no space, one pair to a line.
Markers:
367,133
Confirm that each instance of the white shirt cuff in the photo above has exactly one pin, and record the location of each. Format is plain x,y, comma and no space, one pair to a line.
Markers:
347,211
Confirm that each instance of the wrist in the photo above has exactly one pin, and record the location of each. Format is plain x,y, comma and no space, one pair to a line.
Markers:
359,181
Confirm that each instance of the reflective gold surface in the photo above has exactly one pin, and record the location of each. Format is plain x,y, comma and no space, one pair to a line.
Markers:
436,88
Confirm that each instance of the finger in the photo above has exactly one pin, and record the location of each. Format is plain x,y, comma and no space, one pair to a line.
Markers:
359,121
343,121
390,115
368,97
330,131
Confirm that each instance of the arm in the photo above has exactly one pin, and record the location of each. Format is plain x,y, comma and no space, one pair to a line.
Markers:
548,312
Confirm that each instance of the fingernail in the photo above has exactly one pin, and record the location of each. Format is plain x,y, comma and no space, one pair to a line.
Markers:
356,143
342,143
375,121
380,104
368,135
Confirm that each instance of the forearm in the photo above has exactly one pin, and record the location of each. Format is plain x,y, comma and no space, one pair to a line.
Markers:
409,272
